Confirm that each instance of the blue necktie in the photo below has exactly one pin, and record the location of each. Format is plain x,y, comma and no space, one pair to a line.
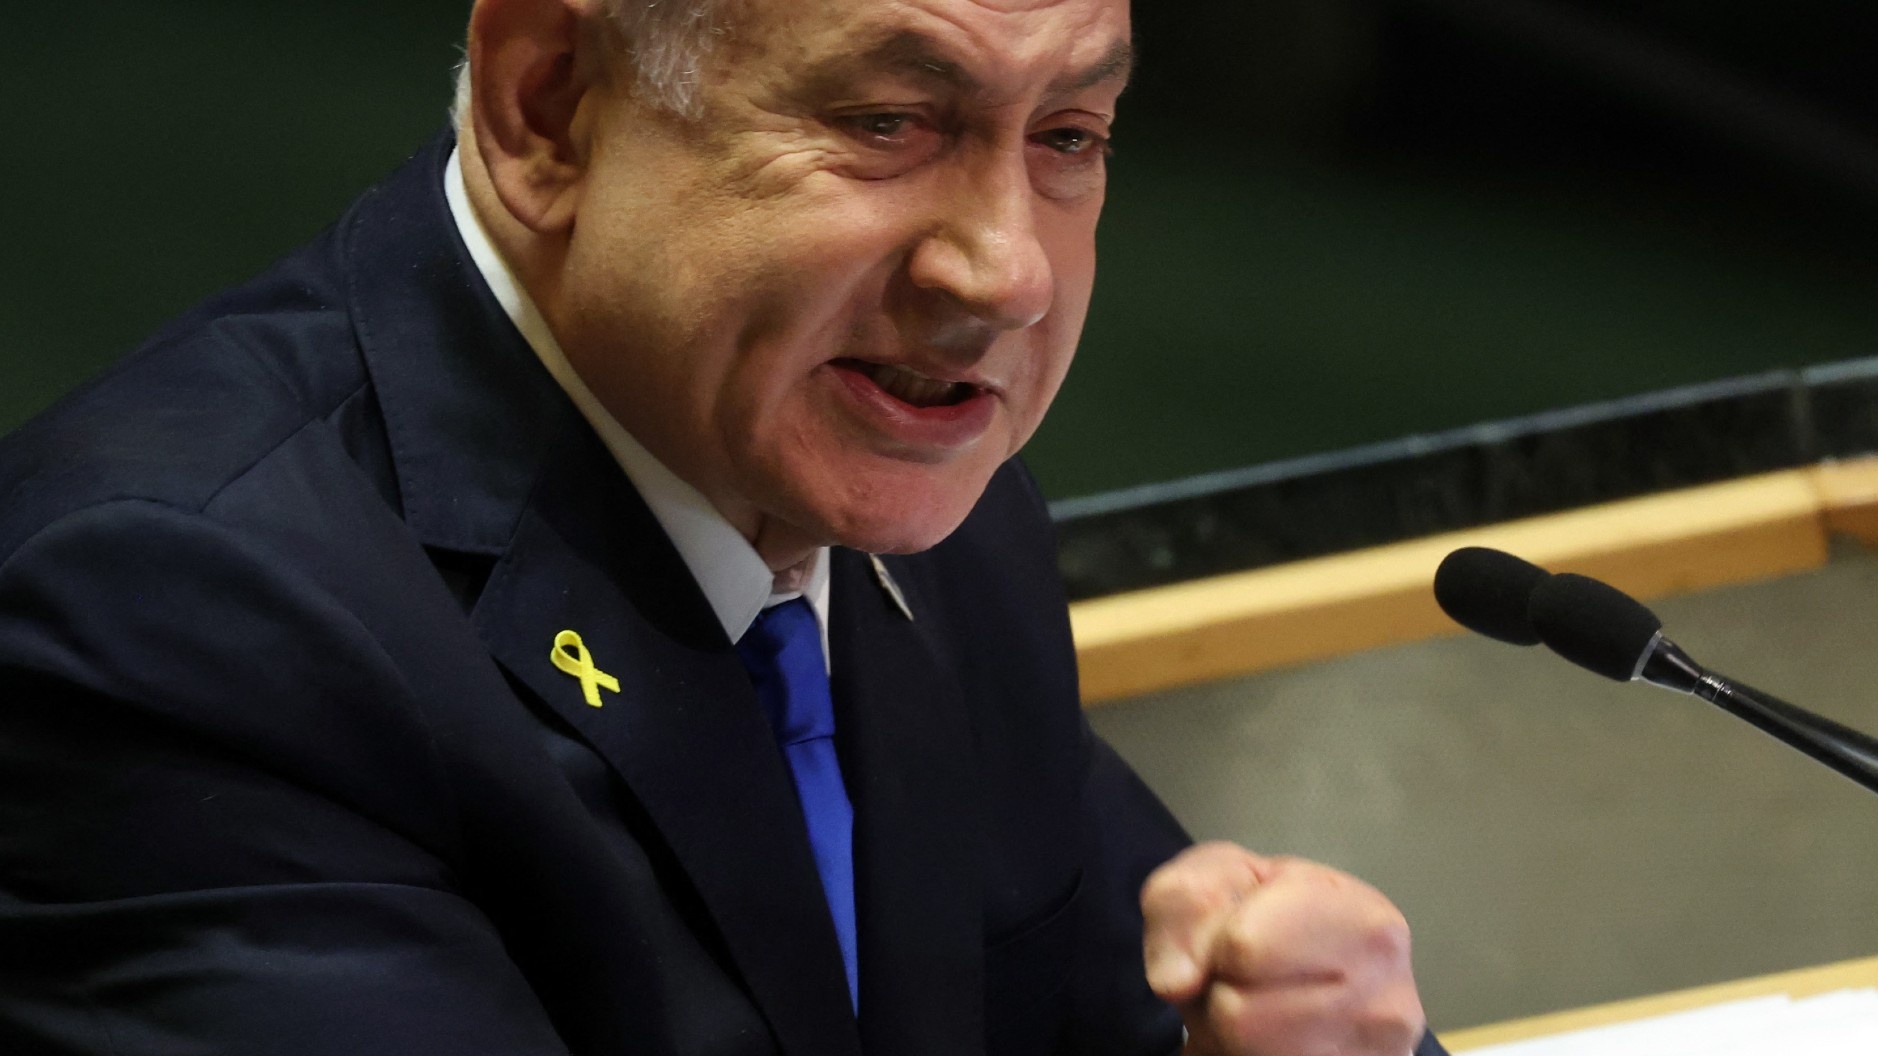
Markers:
783,653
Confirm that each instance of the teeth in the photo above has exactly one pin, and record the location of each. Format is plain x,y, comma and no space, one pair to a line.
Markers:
915,388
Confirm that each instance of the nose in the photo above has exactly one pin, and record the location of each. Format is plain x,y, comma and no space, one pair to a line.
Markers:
985,252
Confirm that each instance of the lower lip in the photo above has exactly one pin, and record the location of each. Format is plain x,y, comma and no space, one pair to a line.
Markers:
953,426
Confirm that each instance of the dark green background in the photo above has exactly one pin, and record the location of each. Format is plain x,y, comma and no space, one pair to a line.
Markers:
1320,235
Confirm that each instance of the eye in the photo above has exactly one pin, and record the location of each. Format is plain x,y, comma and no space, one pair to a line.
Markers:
1069,162
885,143
881,128
1074,141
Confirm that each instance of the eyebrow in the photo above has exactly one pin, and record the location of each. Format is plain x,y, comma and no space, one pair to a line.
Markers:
1117,64
914,54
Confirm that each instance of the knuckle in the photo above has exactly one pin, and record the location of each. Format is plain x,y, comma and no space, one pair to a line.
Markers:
1162,887
1392,1023
1389,1032
1200,878
1388,938
1237,949
1230,1015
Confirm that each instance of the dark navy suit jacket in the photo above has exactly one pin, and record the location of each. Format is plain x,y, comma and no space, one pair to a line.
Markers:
285,766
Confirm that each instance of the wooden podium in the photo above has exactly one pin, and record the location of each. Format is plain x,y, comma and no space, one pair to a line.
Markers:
1801,983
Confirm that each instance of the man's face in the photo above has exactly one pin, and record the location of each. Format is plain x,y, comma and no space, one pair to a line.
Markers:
847,292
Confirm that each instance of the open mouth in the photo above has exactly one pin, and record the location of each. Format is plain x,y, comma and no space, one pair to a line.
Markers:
911,387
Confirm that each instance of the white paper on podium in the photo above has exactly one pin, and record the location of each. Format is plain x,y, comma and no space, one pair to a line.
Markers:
1842,1023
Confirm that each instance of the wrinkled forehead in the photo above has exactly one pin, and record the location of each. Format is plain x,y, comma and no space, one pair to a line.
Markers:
1071,44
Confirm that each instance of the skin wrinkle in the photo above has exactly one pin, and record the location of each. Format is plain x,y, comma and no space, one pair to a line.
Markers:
911,53
994,39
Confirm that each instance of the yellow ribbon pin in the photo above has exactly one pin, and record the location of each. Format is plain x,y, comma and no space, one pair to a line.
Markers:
579,663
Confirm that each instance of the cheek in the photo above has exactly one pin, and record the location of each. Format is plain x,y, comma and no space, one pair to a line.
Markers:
834,230
1069,239
811,282
1050,356
1073,260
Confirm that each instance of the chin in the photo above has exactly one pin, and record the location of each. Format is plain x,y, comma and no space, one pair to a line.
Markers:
898,540
897,515
896,532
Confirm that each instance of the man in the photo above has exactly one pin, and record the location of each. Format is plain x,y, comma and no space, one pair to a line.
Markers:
377,643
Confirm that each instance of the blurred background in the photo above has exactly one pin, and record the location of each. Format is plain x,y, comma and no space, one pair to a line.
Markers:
1332,223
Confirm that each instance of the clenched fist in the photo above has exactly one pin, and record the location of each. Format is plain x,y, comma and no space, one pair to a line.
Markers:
1279,957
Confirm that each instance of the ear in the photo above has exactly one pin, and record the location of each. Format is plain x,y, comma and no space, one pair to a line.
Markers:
530,73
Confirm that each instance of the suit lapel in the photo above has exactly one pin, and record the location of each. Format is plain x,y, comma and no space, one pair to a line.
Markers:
684,729
906,751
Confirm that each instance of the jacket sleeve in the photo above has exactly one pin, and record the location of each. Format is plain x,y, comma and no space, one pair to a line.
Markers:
1128,835
225,825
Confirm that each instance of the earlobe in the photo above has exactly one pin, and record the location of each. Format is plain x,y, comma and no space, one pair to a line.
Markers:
529,81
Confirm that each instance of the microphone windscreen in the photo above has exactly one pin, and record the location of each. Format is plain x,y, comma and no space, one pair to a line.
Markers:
1593,624
1486,591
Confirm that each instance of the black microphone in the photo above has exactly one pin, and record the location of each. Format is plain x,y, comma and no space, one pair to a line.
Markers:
1486,591
1599,627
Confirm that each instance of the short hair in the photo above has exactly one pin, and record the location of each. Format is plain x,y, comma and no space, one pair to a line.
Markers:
666,44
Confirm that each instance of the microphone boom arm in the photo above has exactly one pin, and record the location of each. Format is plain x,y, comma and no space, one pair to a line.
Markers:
1844,749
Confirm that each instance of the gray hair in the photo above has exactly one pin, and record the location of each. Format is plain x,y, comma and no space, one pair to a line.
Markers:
666,44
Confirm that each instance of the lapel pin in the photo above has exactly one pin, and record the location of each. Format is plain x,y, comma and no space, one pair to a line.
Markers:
887,584
572,658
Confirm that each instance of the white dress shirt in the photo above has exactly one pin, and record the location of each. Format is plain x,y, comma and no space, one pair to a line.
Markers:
734,578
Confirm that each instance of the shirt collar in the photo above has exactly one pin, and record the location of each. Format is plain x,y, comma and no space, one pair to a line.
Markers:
735,580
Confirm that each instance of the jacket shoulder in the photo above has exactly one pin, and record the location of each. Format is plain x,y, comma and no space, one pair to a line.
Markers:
204,401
